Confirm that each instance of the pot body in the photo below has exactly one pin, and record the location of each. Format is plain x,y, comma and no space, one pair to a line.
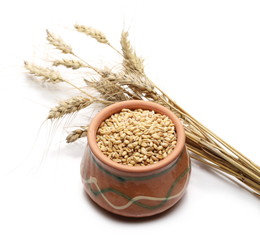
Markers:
135,196
134,191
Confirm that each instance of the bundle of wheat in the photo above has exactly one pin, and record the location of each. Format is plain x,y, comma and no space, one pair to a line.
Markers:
131,82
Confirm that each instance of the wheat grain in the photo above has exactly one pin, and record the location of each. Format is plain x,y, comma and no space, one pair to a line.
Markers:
122,137
69,106
92,32
58,43
46,74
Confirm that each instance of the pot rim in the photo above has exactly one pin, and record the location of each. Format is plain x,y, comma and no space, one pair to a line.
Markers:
135,104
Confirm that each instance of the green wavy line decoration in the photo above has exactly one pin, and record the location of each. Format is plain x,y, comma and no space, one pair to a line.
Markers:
167,197
124,179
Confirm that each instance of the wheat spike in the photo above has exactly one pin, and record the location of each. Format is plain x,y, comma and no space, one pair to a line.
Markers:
71,105
77,134
69,63
58,43
46,74
92,32
131,61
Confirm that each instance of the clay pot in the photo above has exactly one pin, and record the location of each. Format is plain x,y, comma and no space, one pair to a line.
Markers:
135,191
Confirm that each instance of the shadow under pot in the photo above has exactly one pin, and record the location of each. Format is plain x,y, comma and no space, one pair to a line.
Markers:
135,191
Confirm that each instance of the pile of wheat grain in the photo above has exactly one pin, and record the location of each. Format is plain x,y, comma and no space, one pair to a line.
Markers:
136,137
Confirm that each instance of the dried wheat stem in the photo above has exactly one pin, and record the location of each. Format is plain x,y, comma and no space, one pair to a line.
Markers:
77,134
233,162
243,161
58,43
197,131
216,150
218,160
224,166
209,145
214,136
115,49
87,64
255,188
200,140
242,157
200,157
195,149
238,155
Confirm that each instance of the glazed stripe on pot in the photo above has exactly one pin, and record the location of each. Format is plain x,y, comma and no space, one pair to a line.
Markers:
135,200
124,179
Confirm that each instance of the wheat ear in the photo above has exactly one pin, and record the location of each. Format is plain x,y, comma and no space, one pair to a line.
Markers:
69,63
69,106
92,32
77,134
52,76
46,74
131,61
58,43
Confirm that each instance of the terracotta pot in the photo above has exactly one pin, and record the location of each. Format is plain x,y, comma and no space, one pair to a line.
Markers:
135,191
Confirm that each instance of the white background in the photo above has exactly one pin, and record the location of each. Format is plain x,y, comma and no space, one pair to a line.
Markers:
204,54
